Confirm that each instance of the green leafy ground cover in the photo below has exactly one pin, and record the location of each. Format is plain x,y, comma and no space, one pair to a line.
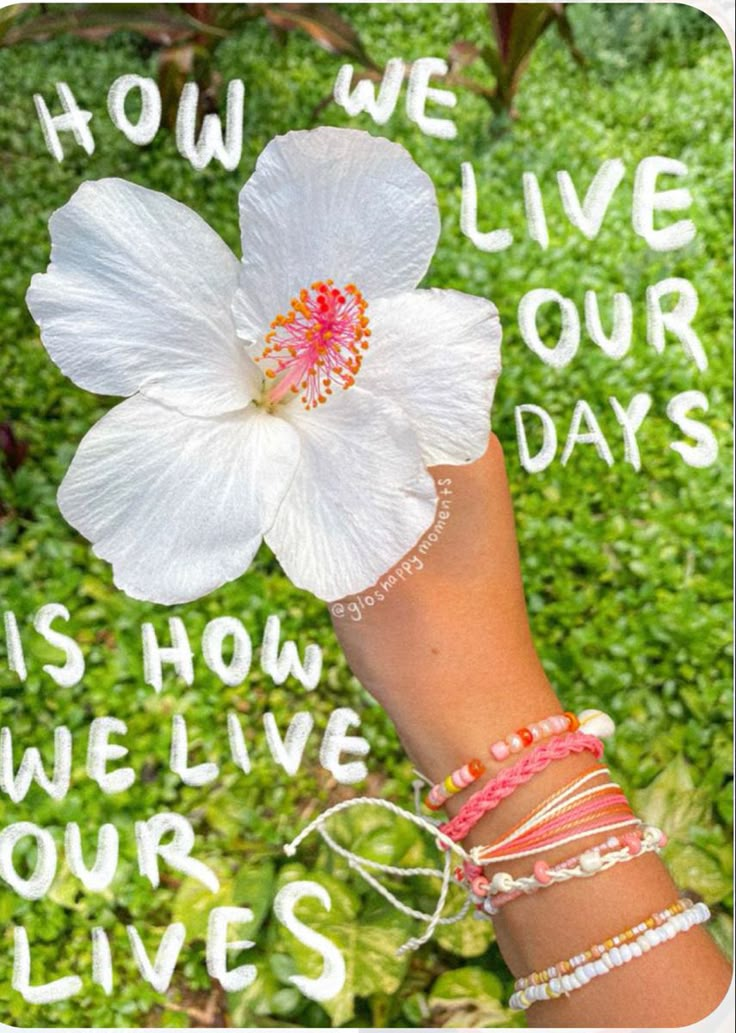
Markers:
627,574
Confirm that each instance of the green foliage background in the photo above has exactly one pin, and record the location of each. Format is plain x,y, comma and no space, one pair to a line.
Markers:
627,574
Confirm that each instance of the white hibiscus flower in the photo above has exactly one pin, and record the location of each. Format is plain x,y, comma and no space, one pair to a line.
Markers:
237,426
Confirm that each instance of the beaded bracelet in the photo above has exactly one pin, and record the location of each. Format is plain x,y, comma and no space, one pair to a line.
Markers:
594,722
490,895
599,960
562,968
511,778
454,783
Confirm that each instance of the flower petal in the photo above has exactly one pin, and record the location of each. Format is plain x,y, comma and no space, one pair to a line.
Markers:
176,504
438,354
331,203
138,297
360,497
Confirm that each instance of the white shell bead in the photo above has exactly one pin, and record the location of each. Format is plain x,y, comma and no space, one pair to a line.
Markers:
502,882
595,722
590,861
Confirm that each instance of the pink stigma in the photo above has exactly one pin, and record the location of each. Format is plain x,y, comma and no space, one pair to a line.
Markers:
318,344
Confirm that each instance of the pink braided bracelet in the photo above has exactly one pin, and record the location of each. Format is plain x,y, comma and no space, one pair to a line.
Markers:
522,771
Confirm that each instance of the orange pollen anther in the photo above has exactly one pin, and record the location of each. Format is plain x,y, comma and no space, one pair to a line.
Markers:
318,345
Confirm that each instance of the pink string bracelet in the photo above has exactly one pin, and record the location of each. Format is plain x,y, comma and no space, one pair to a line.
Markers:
592,816
454,783
581,787
568,814
504,784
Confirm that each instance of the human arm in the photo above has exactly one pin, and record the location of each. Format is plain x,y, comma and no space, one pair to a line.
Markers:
449,653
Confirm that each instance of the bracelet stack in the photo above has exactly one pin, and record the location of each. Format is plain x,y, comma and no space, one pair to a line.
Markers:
590,804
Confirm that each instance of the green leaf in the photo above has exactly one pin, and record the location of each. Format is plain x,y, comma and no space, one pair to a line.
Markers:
468,998
696,870
256,999
193,903
469,938
672,802
345,901
386,845
368,947
721,929
252,887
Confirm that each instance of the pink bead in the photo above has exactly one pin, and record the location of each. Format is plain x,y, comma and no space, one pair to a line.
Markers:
499,751
541,873
536,732
546,726
515,743
663,839
632,842
479,886
469,775
560,723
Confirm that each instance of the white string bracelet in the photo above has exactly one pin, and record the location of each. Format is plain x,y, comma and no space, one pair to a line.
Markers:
502,888
361,865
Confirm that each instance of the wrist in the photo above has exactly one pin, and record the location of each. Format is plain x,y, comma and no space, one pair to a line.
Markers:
447,719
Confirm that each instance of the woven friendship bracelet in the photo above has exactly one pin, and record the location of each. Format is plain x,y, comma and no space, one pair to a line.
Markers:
603,818
559,804
639,940
608,800
491,895
607,820
504,784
